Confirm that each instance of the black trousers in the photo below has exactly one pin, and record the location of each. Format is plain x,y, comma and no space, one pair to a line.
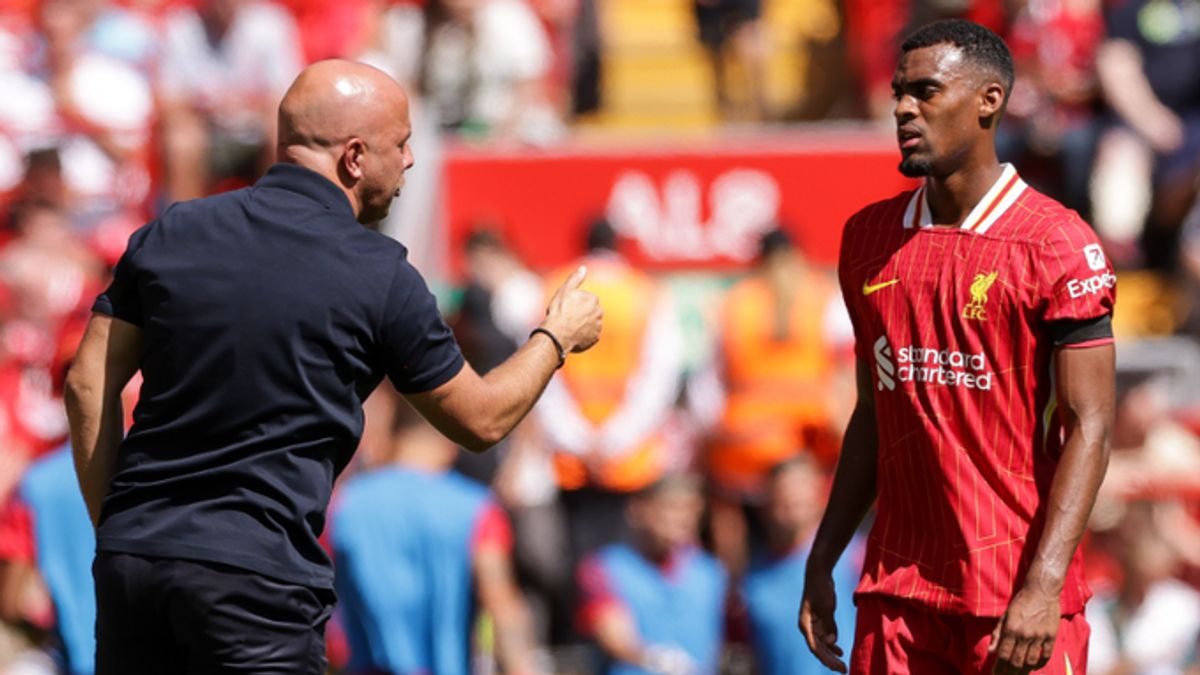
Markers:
165,616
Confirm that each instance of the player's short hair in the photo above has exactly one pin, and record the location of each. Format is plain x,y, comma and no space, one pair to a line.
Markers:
979,45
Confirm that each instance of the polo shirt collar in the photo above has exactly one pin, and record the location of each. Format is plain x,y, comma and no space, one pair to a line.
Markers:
308,183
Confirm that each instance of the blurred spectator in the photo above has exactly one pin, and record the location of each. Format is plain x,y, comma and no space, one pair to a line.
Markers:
501,303
1189,260
46,278
587,64
875,30
128,33
993,14
657,605
408,584
733,30
63,545
873,36
604,413
96,111
47,267
395,44
1151,452
332,29
825,67
225,66
1148,160
796,495
484,69
1051,110
775,385
396,41
26,615
573,29
1150,625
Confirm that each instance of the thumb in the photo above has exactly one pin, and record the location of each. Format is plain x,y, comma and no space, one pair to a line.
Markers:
995,642
576,278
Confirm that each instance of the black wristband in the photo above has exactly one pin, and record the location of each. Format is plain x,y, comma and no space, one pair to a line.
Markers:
562,353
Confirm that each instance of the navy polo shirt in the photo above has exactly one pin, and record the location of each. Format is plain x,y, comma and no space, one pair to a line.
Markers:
268,316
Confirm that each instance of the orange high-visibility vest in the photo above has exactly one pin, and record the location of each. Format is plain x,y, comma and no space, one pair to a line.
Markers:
597,378
776,391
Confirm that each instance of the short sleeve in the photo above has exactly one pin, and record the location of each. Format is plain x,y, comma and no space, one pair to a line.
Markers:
492,530
419,350
1078,282
121,299
851,295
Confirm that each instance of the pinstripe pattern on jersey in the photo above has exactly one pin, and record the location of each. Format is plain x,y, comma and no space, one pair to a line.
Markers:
964,472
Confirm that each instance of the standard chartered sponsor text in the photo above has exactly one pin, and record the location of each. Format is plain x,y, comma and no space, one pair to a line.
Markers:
944,367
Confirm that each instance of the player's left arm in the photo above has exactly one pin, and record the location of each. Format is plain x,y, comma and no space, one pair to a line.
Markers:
107,358
1085,390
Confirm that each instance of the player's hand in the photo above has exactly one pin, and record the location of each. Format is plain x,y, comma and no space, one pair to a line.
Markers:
1024,638
574,315
816,620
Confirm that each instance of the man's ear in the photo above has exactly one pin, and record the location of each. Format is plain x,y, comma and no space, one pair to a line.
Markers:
353,157
991,104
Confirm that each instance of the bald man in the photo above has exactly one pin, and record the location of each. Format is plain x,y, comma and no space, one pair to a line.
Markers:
261,319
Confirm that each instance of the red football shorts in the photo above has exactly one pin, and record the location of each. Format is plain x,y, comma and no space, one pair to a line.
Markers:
893,637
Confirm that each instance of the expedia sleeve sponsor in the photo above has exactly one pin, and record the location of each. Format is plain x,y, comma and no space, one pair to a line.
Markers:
1079,281
1093,285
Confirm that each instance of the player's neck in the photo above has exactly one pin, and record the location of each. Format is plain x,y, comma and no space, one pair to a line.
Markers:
951,198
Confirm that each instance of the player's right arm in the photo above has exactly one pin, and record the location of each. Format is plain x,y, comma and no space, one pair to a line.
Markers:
107,358
852,495
478,411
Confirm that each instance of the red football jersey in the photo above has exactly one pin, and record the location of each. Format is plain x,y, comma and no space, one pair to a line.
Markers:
955,322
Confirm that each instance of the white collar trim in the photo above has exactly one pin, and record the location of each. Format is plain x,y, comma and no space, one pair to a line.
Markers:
1002,195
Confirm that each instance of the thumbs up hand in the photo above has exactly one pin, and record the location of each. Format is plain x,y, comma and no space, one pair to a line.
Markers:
574,315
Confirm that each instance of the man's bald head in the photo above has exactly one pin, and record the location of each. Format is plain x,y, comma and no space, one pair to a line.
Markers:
330,101
349,122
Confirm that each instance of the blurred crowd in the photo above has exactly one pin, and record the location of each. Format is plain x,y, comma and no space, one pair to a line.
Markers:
653,513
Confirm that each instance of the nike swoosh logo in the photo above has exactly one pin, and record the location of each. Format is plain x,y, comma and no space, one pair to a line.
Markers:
871,288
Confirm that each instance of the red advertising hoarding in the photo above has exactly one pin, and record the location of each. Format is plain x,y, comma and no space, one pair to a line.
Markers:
676,207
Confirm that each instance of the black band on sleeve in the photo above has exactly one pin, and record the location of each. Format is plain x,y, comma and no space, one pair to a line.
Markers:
1073,332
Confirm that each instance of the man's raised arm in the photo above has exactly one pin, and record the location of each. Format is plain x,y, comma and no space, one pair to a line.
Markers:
107,357
477,412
